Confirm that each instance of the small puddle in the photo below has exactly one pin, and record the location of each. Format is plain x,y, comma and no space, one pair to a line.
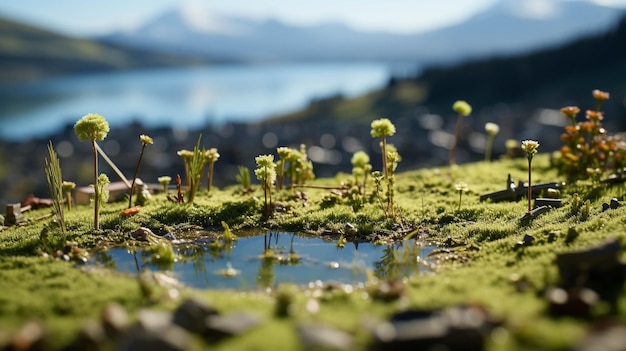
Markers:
295,259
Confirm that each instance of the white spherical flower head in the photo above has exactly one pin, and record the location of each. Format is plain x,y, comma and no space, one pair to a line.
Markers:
492,128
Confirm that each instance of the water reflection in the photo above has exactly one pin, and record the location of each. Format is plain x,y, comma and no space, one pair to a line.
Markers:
272,258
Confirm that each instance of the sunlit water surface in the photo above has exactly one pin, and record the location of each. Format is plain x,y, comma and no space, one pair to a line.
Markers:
203,266
184,97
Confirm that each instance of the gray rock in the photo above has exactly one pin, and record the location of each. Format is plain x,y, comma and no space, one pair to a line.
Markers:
319,336
91,337
31,336
220,326
192,315
171,338
454,329
611,339
14,214
153,321
115,320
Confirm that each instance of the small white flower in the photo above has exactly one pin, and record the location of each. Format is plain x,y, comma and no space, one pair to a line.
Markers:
492,128
530,147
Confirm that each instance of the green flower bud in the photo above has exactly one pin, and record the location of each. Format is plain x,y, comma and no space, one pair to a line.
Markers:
91,126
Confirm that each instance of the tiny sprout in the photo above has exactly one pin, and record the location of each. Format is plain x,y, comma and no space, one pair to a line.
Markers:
492,129
284,153
382,128
463,109
145,140
530,147
164,181
266,173
93,127
212,156
67,188
461,187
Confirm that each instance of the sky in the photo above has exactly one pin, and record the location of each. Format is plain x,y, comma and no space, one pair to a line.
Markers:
90,17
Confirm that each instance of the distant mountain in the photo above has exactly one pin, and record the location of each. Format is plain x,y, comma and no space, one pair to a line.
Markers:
27,52
510,26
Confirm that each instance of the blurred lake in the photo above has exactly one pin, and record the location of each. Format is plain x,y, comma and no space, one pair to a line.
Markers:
186,97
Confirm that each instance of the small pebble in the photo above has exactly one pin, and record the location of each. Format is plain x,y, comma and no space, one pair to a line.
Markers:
605,206
614,203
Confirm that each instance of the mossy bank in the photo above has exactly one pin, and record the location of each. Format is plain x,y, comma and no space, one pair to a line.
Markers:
484,260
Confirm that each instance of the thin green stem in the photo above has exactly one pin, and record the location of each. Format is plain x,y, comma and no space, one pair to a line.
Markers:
96,202
132,186
457,135
530,191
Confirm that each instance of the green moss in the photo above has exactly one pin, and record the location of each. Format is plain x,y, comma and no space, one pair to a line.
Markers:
483,264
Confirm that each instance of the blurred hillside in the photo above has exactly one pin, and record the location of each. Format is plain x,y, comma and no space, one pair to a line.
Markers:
28,53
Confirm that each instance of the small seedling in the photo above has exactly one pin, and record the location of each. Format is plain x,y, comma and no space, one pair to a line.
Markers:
492,129
53,174
243,178
165,182
284,154
463,109
67,189
461,187
145,140
93,127
211,156
530,148
266,174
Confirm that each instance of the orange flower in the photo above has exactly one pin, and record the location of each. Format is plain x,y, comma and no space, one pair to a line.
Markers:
600,95
595,115
570,111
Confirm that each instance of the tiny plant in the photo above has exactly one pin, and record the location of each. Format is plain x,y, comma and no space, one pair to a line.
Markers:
463,109
492,129
243,178
588,150
67,189
103,191
266,174
229,236
196,167
382,128
461,187
211,156
186,155
284,154
53,175
530,148
361,167
145,140
165,182
93,127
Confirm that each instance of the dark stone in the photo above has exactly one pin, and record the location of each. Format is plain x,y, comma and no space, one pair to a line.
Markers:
605,206
91,337
576,302
611,339
597,268
220,326
319,336
528,239
540,201
614,203
534,213
192,315
14,215
170,338
453,329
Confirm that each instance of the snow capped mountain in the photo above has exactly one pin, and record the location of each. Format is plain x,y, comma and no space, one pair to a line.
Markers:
510,26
